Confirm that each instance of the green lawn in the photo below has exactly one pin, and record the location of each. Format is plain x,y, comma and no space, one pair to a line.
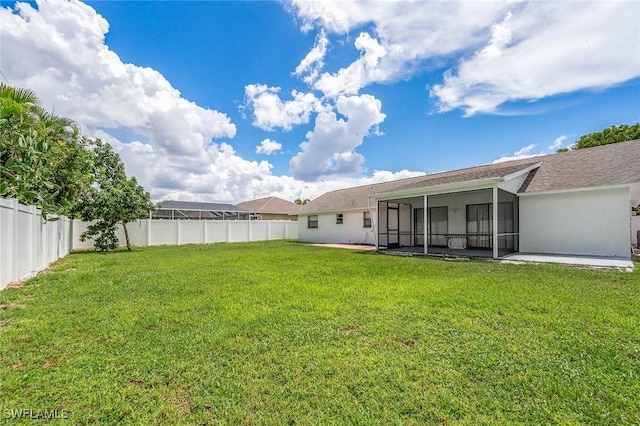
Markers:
285,333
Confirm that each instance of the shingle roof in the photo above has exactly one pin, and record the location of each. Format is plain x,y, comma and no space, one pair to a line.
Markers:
273,205
198,206
606,165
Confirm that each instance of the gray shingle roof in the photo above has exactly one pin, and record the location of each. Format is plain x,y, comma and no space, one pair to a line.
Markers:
606,165
198,206
272,205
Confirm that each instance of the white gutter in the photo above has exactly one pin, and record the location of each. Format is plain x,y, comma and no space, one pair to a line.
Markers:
584,189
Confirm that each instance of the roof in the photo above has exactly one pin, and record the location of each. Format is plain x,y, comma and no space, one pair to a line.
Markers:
606,165
273,205
198,206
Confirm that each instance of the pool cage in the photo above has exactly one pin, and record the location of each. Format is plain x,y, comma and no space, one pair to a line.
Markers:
187,210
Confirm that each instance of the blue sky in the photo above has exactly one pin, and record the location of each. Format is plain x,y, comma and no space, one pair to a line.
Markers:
230,101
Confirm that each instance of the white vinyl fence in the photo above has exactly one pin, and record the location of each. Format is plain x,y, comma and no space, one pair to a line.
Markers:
28,244
158,232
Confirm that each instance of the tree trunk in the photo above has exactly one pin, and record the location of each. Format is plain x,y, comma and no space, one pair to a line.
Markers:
126,235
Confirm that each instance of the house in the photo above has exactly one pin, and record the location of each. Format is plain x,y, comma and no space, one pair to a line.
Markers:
573,203
272,208
201,211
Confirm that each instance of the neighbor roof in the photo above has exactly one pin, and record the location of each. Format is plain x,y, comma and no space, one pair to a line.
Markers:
198,206
273,205
607,165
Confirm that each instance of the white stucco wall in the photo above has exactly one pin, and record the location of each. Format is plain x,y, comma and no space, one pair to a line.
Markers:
351,231
595,222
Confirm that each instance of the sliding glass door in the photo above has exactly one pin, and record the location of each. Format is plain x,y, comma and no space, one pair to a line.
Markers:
479,225
438,226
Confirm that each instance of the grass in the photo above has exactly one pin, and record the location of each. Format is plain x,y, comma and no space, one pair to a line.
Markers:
285,333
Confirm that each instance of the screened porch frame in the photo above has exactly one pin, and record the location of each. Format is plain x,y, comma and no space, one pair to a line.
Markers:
502,236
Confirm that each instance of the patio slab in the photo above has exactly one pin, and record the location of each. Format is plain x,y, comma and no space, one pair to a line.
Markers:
348,246
593,261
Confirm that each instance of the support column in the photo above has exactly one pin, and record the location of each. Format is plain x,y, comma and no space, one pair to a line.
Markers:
425,224
495,222
376,229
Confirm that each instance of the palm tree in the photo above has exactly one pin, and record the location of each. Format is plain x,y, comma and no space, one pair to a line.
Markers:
42,157
302,202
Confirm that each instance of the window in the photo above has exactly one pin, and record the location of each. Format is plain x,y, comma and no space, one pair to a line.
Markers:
339,218
366,220
312,221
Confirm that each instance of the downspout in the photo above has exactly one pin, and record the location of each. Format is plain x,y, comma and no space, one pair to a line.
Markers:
374,224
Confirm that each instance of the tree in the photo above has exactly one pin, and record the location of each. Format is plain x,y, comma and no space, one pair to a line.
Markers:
111,200
43,159
301,201
613,134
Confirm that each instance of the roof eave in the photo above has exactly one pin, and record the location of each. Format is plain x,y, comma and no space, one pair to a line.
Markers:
439,189
523,171
350,209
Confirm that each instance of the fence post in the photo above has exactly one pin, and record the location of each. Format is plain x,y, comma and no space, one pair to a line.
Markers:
148,232
178,232
14,243
32,239
44,247
286,230
204,231
228,230
269,231
249,222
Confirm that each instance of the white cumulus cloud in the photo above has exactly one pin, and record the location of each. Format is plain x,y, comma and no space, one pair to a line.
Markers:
359,74
270,112
510,51
330,147
311,65
524,152
545,49
557,143
268,147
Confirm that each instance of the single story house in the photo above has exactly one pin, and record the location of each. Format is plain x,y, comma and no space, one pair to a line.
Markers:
572,203
191,210
272,208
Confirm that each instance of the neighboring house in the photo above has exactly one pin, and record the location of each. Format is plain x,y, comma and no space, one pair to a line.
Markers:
573,203
201,211
272,208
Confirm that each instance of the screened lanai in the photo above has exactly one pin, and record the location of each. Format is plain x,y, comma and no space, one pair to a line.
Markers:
457,223
188,210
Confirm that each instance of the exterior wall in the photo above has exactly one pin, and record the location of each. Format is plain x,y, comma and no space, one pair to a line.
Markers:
595,222
350,232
